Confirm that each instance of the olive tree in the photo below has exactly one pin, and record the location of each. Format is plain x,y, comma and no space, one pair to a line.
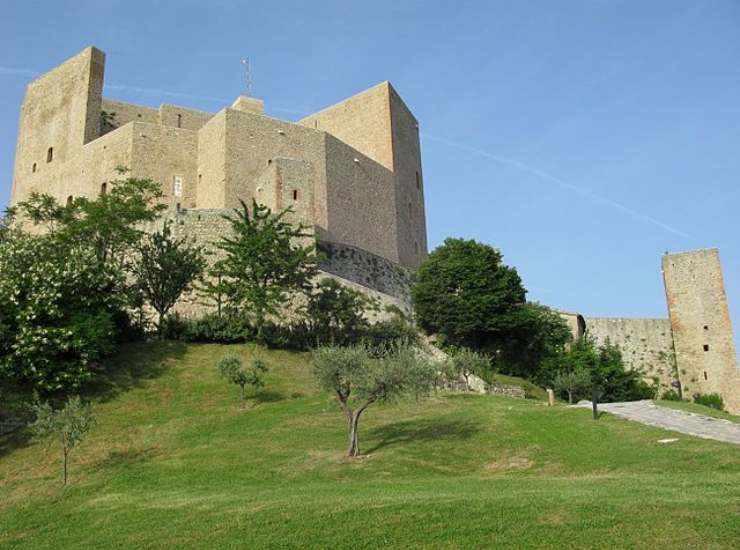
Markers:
572,382
464,363
358,378
231,369
67,425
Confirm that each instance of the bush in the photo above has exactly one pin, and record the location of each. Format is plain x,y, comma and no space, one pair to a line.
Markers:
712,400
671,395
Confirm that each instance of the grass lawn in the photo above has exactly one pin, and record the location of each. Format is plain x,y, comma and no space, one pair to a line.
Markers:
698,409
173,462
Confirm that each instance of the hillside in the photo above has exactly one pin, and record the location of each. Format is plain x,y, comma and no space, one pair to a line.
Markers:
172,461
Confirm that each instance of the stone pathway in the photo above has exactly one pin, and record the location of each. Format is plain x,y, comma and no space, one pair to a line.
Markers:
670,419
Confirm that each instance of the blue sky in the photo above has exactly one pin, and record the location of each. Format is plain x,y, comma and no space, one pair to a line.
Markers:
583,138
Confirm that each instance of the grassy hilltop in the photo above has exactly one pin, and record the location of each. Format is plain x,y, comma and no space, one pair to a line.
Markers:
172,461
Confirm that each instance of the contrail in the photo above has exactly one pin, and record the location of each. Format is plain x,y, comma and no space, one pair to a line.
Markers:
562,183
18,72
149,91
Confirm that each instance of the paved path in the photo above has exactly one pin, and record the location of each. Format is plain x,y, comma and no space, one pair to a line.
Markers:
670,419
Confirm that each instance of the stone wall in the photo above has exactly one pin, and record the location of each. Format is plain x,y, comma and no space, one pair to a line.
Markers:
702,330
365,269
646,344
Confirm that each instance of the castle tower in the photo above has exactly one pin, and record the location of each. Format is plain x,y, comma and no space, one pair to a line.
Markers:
60,114
700,322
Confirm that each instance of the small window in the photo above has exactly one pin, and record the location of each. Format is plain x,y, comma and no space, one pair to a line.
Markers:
416,247
177,186
706,327
200,178
69,200
50,154
33,168
138,115
706,347
179,120
295,194
410,209
178,206
269,162
418,181
705,375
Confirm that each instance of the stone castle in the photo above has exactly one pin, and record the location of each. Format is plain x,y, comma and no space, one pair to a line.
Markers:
352,173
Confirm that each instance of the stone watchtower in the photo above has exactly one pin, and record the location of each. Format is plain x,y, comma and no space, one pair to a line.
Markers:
700,321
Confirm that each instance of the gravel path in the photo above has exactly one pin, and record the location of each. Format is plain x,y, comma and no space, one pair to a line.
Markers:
670,419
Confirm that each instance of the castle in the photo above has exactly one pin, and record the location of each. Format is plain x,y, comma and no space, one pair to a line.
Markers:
352,173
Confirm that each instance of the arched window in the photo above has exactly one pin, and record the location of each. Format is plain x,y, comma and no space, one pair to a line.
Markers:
50,154
69,200
103,188
295,194
33,168
179,120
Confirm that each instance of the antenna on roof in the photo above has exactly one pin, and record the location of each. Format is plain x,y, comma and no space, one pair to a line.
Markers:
247,76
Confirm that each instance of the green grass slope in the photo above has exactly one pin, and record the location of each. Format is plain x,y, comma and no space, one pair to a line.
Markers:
173,462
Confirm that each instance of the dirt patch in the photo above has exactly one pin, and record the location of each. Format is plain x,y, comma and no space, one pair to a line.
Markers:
509,464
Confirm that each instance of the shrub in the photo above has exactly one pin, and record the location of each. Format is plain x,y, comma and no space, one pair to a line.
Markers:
713,400
671,395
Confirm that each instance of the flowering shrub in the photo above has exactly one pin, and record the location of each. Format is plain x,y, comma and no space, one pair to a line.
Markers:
56,312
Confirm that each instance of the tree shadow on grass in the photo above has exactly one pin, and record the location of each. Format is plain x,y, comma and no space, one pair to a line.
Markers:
131,367
268,396
13,439
422,430
117,458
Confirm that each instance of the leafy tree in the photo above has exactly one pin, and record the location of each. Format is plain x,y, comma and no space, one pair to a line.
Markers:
264,263
465,293
112,224
166,268
67,425
537,335
464,363
231,369
605,369
358,377
336,313
56,312
572,382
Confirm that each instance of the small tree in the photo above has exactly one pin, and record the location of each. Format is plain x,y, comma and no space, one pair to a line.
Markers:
264,263
231,368
68,425
166,268
572,382
464,363
358,378
336,312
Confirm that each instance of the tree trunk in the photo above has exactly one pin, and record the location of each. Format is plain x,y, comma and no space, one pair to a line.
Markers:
65,466
570,397
354,445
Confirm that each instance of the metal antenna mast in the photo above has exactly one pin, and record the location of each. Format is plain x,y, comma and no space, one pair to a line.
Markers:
247,75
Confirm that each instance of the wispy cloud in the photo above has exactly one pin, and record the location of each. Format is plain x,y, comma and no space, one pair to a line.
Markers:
19,72
29,73
560,182
166,93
